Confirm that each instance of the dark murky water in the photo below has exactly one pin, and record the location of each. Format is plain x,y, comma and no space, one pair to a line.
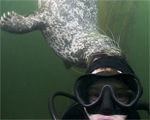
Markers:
30,71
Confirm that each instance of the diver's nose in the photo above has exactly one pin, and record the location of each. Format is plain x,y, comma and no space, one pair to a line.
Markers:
106,104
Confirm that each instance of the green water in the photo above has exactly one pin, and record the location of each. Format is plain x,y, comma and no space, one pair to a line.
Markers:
30,71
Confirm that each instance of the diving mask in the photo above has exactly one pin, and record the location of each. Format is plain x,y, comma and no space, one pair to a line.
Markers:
125,88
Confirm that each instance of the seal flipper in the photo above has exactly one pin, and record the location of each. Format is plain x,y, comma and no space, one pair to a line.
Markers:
15,23
67,65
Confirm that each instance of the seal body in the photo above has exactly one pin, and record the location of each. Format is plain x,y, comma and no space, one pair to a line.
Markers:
69,26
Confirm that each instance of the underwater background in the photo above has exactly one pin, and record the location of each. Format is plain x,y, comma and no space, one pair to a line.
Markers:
30,71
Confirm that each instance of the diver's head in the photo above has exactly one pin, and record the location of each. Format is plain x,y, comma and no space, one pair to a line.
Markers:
109,90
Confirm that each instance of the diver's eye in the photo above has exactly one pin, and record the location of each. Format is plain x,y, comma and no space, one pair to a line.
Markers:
93,96
122,96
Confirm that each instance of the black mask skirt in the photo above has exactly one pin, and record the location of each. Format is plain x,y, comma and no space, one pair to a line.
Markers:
108,94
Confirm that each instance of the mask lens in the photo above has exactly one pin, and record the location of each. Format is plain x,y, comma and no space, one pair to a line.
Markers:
127,90
89,89
84,91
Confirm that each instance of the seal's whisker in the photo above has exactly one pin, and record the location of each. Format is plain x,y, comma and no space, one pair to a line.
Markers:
118,39
111,33
102,31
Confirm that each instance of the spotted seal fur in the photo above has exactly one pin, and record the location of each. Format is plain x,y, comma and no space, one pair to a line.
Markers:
69,26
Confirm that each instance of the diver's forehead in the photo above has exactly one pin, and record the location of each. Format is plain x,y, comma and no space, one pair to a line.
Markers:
109,69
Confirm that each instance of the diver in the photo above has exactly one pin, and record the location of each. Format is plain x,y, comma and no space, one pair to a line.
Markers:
109,90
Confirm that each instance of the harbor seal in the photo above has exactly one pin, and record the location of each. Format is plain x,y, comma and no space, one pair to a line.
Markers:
69,26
